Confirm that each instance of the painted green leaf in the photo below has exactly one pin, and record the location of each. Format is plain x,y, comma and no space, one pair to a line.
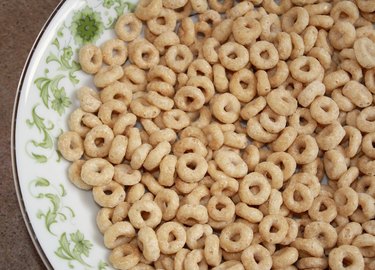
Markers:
108,3
50,219
41,182
81,246
42,84
37,120
47,142
39,214
63,192
56,43
102,265
55,200
52,58
39,158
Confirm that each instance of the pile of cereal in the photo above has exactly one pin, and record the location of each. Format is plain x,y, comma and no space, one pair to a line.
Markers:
213,126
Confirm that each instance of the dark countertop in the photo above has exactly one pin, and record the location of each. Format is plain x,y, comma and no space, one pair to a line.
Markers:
21,21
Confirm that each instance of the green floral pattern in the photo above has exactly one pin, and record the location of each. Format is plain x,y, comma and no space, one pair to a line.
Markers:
45,128
54,84
87,26
73,249
56,211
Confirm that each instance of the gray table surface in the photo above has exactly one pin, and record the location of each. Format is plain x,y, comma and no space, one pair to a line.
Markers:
20,23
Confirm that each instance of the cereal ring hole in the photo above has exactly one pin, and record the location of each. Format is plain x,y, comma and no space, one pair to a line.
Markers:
145,215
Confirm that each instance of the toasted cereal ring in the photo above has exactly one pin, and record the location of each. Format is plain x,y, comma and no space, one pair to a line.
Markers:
175,119
334,164
118,234
330,136
163,234
166,40
109,111
270,27
147,10
143,54
148,243
126,176
114,52
304,149
70,145
357,93
168,20
278,75
279,8
246,30
103,219
178,58
240,59
364,50
342,35
135,193
212,251
252,108
281,102
144,213
349,253
191,167
302,121
366,185
326,215
142,108
81,122
191,145
250,214
220,6
254,180
108,75
196,235
118,149
189,98
226,108
173,4
125,256
309,246
90,58
97,172
346,200
305,201
190,214
296,68
199,67
74,175
116,91
370,80
225,213
256,257
365,210
115,190
128,27
324,110
263,47
167,170
168,202
231,163
284,257
220,79
295,20
285,139
229,243
279,225
312,263
89,99
120,212
273,173
210,50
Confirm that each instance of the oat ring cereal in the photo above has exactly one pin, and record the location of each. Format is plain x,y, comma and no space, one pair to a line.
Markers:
231,135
